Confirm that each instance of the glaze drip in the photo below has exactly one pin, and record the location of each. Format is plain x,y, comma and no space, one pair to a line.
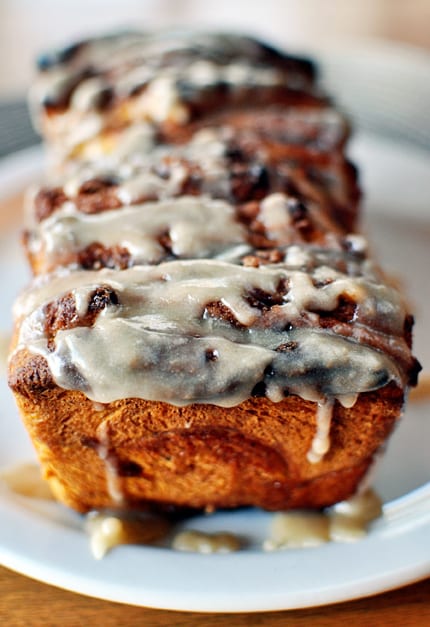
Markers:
321,442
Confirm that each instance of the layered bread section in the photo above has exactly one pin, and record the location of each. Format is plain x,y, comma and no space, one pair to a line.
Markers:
218,188
205,327
88,92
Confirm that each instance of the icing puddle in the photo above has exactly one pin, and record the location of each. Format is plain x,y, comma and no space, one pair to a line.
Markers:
108,531
201,542
347,521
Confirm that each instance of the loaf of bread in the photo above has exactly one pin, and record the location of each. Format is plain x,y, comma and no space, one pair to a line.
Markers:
205,328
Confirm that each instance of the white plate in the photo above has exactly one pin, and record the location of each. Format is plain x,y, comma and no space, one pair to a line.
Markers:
46,541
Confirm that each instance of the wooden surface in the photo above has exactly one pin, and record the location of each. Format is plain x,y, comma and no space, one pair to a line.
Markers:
30,603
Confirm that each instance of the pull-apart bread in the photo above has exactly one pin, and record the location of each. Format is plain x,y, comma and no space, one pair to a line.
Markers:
205,328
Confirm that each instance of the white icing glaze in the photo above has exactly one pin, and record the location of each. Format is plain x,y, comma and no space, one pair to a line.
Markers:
299,256
113,480
160,72
347,400
107,531
161,102
86,94
140,59
321,441
149,184
297,530
365,505
347,521
81,300
357,242
196,226
274,215
162,334
324,129
194,541
137,139
134,160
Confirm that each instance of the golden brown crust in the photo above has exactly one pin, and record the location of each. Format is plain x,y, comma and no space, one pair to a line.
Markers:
29,375
199,456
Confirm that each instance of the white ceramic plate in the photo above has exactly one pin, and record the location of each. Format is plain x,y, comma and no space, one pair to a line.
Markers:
47,542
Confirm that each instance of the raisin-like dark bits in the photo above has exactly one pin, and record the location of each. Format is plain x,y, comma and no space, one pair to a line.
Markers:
128,468
47,201
259,390
211,354
93,186
234,153
297,210
102,297
96,256
263,300
269,371
286,347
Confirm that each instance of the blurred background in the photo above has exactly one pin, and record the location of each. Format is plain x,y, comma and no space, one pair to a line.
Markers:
397,29
28,26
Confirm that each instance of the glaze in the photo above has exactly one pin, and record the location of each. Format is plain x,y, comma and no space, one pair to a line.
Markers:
163,328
